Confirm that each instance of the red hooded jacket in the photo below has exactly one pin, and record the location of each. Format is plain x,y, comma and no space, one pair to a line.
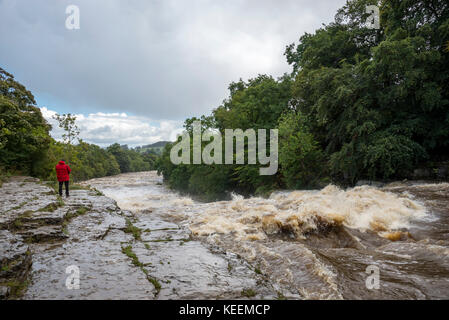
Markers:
63,171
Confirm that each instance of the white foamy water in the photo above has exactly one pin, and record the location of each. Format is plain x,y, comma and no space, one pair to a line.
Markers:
299,212
305,244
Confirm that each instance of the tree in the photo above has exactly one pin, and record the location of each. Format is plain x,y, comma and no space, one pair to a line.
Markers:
67,122
121,156
4,132
377,101
256,104
26,145
302,162
24,133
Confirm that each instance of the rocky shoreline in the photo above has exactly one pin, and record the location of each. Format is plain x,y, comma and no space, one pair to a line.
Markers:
120,254
35,220
142,246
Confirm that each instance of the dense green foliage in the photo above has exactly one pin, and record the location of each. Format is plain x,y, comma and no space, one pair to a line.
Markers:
303,161
87,161
359,103
24,133
240,111
27,148
377,100
130,160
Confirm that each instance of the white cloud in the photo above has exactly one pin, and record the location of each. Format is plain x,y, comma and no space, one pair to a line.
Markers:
105,129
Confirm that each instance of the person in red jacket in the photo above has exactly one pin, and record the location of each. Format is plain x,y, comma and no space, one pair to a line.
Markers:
63,174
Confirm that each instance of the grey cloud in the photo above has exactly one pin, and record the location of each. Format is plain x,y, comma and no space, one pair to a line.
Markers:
165,59
101,130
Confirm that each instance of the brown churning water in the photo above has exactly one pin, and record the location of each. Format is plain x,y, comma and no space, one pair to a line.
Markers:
316,244
303,212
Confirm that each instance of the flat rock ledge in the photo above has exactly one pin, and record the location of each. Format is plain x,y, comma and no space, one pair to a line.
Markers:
32,216
118,254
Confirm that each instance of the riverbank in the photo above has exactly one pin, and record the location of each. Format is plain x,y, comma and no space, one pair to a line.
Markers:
132,238
313,244
119,253
41,232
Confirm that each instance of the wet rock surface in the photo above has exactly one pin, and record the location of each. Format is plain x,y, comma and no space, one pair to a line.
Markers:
119,254
189,269
41,235
15,263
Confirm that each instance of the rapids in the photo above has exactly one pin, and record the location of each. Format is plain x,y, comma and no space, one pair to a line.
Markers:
299,244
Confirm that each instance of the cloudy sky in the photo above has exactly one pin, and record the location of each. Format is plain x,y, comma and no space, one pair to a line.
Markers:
137,68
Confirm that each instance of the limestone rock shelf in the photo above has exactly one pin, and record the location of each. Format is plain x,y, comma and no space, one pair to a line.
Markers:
36,224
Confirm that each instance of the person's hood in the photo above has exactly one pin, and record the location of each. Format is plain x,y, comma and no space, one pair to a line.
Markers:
61,162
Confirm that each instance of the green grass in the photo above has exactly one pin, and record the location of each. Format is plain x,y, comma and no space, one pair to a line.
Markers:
155,283
27,214
18,223
132,229
128,251
60,203
169,239
162,240
17,288
98,192
73,186
280,296
53,185
52,206
249,293
4,176
163,229
18,206
70,216
81,211
76,186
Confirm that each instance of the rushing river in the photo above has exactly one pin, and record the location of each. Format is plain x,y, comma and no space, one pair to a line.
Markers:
298,244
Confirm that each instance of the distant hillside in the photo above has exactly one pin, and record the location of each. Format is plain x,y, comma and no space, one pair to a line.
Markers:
155,147
157,144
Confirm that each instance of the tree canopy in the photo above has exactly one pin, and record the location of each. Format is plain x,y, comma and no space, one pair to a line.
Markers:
26,146
24,133
359,103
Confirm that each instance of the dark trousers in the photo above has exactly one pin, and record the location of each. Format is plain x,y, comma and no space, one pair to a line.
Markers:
66,188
